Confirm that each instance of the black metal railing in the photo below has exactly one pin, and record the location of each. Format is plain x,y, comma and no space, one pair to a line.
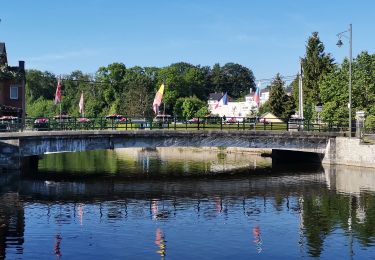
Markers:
171,123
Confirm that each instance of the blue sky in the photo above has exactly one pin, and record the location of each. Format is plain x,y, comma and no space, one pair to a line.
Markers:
266,36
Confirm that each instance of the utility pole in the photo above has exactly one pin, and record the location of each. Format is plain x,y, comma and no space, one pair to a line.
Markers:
165,90
339,44
350,80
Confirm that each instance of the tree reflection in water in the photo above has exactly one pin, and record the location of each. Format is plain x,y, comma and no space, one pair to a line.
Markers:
338,203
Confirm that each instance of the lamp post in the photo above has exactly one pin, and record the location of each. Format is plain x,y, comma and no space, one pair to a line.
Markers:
339,44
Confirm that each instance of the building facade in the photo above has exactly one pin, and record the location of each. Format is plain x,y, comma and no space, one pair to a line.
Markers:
12,86
248,108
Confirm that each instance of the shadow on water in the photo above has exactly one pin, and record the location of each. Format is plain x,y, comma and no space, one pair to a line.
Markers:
156,164
162,173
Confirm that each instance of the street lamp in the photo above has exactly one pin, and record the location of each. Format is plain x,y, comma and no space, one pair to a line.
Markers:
339,44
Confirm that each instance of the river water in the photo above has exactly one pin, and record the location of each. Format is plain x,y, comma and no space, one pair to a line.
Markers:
185,204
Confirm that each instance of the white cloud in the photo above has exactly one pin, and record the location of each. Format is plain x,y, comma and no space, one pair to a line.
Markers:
62,56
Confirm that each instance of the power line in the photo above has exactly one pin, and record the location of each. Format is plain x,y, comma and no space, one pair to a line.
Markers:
284,78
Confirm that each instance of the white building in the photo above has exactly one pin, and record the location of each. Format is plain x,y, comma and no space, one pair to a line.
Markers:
264,96
236,109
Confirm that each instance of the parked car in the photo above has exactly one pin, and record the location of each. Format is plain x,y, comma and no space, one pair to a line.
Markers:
231,120
194,120
163,118
41,124
117,118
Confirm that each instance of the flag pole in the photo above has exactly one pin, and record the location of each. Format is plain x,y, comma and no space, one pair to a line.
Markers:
60,99
165,88
83,109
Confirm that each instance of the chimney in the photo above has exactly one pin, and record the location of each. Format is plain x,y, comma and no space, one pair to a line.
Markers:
21,65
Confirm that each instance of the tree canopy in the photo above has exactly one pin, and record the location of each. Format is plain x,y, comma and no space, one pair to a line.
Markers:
130,91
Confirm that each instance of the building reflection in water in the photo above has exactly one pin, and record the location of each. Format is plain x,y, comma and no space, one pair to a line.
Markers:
154,208
161,243
12,216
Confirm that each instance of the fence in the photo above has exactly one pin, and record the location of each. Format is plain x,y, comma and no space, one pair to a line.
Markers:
171,123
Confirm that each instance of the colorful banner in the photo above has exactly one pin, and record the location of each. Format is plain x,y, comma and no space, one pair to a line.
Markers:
58,92
157,99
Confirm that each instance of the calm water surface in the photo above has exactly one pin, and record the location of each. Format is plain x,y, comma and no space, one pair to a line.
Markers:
179,204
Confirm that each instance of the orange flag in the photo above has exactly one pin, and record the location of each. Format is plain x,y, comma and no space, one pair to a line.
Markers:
158,98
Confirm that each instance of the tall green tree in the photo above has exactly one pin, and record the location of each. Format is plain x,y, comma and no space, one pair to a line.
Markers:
40,84
335,94
280,103
316,64
233,78
277,93
137,100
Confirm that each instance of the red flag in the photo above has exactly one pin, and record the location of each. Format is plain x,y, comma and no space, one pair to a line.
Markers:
81,104
58,92
257,96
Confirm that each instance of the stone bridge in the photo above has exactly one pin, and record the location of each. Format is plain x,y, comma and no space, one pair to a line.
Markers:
14,146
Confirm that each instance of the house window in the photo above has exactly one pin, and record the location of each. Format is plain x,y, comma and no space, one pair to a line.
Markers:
14,92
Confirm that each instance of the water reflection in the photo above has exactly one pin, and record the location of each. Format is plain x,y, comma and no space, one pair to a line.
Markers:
136,162
57,249
352,180
257,239
326,214
161,243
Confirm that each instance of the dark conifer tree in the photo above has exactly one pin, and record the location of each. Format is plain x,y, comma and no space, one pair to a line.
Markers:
315,64
277,94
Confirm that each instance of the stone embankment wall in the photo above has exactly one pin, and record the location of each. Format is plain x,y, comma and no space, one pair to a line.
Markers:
349,151
9,154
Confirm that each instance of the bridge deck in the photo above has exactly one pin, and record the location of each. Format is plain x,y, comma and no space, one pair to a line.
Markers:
164,132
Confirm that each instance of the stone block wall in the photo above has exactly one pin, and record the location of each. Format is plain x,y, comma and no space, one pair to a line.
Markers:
349,151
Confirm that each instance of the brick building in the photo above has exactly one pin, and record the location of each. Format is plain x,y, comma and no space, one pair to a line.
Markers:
12,86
